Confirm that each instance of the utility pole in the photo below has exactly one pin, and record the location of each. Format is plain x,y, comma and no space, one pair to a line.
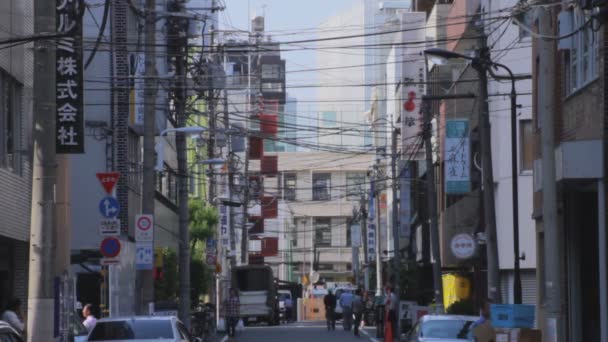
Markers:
144,282
211,144
377,194
363,222
553,236
181,96
432,204
41,294
488,177
244,232
395,220
231,170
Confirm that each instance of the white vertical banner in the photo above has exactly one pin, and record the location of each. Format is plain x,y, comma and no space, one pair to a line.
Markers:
414,75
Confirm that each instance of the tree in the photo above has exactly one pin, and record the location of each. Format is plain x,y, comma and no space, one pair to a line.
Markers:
203,222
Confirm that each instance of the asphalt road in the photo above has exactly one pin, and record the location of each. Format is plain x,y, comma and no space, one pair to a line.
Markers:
301,332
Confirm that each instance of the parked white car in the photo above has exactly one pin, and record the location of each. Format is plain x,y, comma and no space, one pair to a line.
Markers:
141,328
442,328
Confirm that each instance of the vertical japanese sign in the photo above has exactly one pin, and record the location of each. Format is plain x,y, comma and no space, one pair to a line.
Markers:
140,70
457,157
69,116
414,86
371,228
224,226
405,211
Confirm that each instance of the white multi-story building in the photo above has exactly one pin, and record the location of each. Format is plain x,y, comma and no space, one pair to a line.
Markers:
317,192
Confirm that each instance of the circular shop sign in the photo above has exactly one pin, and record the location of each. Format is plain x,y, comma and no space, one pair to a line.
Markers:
144,223
110,247
463,246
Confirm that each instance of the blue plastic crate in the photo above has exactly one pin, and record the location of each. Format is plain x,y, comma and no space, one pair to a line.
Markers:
513,315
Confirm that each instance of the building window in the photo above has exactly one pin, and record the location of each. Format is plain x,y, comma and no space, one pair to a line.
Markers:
581,59
322,232
271,71
355,186
526,143
276,87
289,187
329,119
348,236
321,184
10,123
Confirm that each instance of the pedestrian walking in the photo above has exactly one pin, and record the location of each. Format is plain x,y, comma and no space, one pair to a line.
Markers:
330,310
358,310
232,312
89,319
346,302
12,315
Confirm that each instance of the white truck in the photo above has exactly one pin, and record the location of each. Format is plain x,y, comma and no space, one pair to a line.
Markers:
257,293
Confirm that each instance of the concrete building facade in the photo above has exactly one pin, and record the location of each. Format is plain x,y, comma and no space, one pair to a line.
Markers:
16,100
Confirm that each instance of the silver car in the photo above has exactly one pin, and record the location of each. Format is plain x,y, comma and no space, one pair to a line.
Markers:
140,329
442,328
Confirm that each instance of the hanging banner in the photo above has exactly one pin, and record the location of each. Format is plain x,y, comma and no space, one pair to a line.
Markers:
405,211
414,87
69,116
457,157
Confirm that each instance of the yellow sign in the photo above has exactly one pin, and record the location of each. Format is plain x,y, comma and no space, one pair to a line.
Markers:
218,268
158,257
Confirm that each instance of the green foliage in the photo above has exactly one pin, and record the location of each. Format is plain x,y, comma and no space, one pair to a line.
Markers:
201,279
166,288
203,222
461,307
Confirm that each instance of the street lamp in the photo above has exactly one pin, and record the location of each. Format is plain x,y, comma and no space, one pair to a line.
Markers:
482,65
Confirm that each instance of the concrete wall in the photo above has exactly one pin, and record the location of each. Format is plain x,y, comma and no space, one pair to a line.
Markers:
16,19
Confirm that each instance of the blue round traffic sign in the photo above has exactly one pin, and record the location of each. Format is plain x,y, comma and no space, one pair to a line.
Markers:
109,207
110,247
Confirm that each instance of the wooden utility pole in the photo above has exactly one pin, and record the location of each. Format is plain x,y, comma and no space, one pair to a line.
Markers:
144,281
181,96
488,177
42,232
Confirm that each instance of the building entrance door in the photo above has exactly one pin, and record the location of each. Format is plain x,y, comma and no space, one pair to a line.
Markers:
582,266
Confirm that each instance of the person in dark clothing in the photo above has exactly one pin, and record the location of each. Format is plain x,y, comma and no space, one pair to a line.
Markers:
358,310
330,310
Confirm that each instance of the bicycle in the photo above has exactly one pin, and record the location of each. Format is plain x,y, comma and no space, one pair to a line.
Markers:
203,324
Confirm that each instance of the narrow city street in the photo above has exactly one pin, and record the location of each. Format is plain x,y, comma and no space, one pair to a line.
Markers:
301,332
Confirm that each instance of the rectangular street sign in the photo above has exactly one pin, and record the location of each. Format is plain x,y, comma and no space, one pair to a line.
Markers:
109,227
144,255
109,261
144,228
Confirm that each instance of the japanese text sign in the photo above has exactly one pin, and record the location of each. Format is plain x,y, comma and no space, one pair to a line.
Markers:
457,157
69,116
